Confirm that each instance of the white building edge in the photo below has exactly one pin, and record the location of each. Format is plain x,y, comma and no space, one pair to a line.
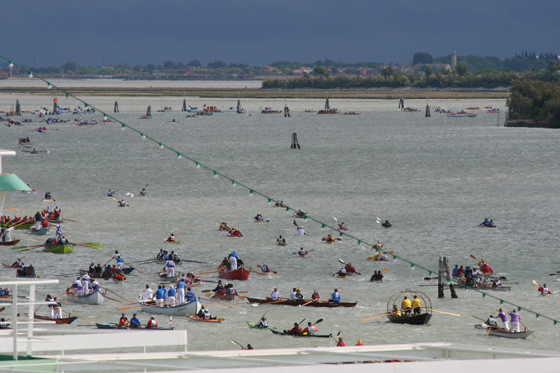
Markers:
29,349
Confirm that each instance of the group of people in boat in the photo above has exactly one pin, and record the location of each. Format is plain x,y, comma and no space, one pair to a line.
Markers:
348,269
135,323
234,232
175,295
377,276
163,256
408,307
225,289
107,272
297,295
478,276
386,224
231,262
83,286
5,292
26,271
259,218
488,223
297,330
511,326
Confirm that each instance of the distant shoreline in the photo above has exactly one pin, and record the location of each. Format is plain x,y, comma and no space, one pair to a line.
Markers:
388,94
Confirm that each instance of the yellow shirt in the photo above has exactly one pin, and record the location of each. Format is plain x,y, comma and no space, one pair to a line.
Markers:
416,303
405,304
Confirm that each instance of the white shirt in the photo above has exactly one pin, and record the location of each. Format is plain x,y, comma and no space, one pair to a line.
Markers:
293,295
275,295
301,231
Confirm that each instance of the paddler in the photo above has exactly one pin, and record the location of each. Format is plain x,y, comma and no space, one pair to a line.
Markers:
377,246
264,268
122,203
301,231
544,290
48,195
386,224
123,322
263,323
171,238
302,252
335,297
143,192
350,269
315,295
259,218
152,323
296,330
311,329
281,241
340,342
342,226
110,193
134,322
330,238
383,257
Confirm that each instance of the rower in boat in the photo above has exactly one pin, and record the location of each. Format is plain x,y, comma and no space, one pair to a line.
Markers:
170,267
47,194
123,321
302,253
205,314
110,193
143,192
350,269
381,257
386,224
26,271
18,263
330,239
296,330
259,218
377,246
544,290
279,204
315,295
122,203
263,323
147,294
335,297
171,238
311,329
342,226
234,232
152,323
134,322
224,227
275,295
281,241
377,276
301,231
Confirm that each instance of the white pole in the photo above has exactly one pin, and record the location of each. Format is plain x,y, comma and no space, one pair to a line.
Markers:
14,320
31,314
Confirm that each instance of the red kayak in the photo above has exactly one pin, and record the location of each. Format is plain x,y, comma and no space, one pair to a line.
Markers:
240,273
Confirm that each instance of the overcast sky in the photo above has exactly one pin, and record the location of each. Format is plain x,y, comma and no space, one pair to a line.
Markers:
256,32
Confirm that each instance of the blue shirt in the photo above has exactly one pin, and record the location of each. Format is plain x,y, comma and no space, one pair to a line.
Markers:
171,292
190,296
164,292
160,294
134,322
335,297
234,254
181,285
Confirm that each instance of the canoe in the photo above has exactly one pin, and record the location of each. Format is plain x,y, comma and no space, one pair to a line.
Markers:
97,297
9,243
301,335
112,325
64,320
59,249
240,273
196,318
39,232
420,319
185,309
252,325
486,226
298,302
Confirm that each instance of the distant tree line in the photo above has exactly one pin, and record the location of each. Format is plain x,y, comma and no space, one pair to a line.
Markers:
535,100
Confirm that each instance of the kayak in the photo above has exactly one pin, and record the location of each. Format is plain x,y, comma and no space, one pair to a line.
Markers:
486,226
302,335
252,325
196,318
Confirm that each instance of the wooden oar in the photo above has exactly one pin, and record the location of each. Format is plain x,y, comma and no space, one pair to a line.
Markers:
274,301
230,305
112,292
371,314
525,326
447,313
376,317
2,309
75,221
129,307
11,209
311,301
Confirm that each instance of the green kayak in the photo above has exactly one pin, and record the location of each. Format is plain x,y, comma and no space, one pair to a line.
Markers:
252,325
59,249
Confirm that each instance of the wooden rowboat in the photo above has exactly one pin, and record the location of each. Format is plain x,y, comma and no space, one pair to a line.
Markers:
185,309
300,302
301,335
64,320
501,332
59,249
419,319
9,243
97,297
395,301
112,325
240,273
39,232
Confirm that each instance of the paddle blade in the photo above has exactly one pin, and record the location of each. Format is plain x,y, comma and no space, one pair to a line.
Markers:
536,283
318,321
385,270
96,245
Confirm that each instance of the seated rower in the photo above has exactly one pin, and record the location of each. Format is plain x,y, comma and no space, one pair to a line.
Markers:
122,203
311,329
224,227
18,263
143,192
491,321
396,311
152,323
296,330
350,269
171,238
330,238
134,322
377,246
386,224
110,193
123,322
544,290
263,323
342,272
342,226
302,253
485,223
48,195
259,218
315,295
265,269
281,241
383,257
335,297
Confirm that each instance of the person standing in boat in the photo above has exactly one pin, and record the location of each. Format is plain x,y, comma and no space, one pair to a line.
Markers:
171,297
160,296
57,309
416,305
181,288
514,319
49,298
502,316
170,267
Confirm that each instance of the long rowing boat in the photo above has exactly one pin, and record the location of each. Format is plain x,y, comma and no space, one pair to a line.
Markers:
64,320
240,273
300,302
97,297
500,332
302,335
185,309
112,325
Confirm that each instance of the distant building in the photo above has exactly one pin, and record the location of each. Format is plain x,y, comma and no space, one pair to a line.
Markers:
453,60
270,70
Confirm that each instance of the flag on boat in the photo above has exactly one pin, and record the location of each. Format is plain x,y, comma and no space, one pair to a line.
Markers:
59,231
48,208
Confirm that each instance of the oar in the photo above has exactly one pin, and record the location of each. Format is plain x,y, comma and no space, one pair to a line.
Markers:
375,317
30,239
240,345
129,307
525,326
230,305
306,303
536,283
11,209
2,309
75,221
447,313
112,292
371,314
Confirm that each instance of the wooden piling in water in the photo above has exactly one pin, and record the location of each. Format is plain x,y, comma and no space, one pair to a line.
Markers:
116,107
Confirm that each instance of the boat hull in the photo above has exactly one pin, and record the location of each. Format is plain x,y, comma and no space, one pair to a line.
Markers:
196,318
185,309
420,319
240,273
39,232
64,320
302,335
299,302
95,298
59,249
112,325
9,243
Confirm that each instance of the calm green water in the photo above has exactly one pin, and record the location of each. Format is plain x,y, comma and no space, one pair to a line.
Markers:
434,178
